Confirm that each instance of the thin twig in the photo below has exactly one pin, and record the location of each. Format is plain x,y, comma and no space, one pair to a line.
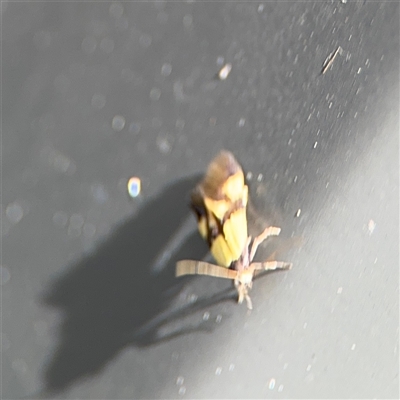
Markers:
329,60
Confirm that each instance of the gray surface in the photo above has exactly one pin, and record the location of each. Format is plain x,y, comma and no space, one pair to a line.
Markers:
82,314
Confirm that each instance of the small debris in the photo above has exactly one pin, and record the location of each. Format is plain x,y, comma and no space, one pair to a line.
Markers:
133,186
298,212
271,384
330,59
224,71
371,226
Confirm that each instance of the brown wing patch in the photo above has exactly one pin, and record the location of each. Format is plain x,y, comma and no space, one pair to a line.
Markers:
219,202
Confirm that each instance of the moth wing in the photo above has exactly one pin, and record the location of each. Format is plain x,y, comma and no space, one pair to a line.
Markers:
191,267
218,207
221,251
233,186
221,169
235,232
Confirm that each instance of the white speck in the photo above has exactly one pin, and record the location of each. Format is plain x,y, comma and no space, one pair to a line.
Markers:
182,390
315,144
163,145
241,122
271,384
260,8
60,219
145,40
116,10
62,163
224,71
220,61
134,127
4,275
99,193
118,123
371,226
359,70
353,346
155,94
344,1
188,21
166,69
98,101
192,298
88,230
305,325
89,44
330,104
280,388
298,212
180,380
76,221
376,260
295,179
107,45
259,177
14,212
218,319
134,186
206,316
340,290
249,176
218,371
308,367
231,367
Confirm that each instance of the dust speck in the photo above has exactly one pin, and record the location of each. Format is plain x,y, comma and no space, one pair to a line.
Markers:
271,384
14,212
118,123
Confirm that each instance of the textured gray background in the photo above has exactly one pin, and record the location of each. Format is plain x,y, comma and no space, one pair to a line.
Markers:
83,315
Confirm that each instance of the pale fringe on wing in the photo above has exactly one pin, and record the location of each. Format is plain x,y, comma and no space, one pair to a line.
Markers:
191,267
271,265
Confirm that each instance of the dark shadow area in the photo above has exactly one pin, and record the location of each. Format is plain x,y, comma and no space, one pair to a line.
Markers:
112,299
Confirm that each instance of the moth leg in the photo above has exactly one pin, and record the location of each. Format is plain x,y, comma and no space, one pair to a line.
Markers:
249,303
242,290
270,231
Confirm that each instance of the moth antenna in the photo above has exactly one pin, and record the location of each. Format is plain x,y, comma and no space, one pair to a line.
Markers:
192,267
270,231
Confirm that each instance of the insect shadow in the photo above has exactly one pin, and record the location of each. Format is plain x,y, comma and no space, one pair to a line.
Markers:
113,298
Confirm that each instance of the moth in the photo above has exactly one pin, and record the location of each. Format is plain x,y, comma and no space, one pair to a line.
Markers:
219,202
